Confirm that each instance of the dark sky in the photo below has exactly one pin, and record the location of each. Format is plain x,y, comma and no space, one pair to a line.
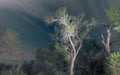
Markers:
26,17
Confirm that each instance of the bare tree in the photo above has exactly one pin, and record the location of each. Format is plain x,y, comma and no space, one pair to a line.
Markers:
106,42
70,32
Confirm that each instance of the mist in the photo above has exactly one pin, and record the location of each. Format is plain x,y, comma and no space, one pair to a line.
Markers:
40,8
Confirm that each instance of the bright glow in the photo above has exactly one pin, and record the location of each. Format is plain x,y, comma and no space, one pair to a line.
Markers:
7,2
14,3
33,7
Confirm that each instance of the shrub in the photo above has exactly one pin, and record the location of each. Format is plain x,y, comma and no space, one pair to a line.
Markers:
14,71
113,63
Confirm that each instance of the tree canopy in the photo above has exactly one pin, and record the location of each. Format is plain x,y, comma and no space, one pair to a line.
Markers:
113,13
70,32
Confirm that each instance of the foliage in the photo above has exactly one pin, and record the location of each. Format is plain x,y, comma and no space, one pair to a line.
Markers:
70,32
113,13
11,38
69,27
113,63
89,61
50,61
14,71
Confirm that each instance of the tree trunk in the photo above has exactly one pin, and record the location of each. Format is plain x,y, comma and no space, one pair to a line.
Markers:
72,65
108,42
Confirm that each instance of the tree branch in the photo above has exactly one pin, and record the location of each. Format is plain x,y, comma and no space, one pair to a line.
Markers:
72,45
80,40
103,39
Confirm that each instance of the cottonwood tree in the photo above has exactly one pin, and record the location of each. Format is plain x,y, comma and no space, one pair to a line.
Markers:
69,34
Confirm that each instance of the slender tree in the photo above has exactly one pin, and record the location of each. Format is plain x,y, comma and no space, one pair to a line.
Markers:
113,13
106,42
70,32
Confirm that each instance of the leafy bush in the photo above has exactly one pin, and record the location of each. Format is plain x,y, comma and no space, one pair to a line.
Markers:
113,63
14,71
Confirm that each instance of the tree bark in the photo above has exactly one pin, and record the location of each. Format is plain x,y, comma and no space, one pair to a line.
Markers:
108,42
73,57
72,65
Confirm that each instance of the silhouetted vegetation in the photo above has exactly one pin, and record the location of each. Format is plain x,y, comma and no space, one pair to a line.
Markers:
51,62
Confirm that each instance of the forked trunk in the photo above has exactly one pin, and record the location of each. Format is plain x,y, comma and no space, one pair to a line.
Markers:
106,41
